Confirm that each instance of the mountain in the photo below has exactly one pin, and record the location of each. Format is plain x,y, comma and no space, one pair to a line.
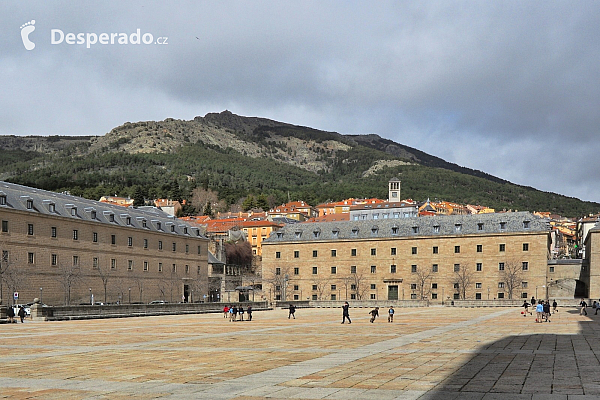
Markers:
236,156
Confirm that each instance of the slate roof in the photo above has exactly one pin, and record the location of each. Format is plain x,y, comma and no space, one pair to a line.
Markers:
451,225
18,197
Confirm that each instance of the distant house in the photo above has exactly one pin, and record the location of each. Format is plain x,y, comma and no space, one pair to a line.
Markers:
383,210
119,201
171,207
298,210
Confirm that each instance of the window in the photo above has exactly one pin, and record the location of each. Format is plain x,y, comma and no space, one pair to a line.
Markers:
5,226
551,269
334,270
373,286
54,260
74,211
29,204
3,200
413,250
524,285
174,247
113,263
277,271
501,266
352,296
172,228
457,227
353,286
394,230
277,254
75,234
500,285
434,268
296,287
393,251
373,252
187,249
525,224
373,269
457,249
198,270
477,296
525,246
160,246
296,254
315,253
436,229
480,226
434,296
456,267
53,232
129,265
199,250
456,296
30,229
93,214
434,285
477,285
5,256
314,287
333,287
333,253
160,267
502,247
113,239
502,226
500,295
524,295
174,269
296,271
75,261
314,270
95,237
145,243
30,258
436,250
525,266
51,207
413,296
353,269
456,286
353,252
413,286
413,268
480,248
392,269
314,297
479,266
187,269
95,263
415,229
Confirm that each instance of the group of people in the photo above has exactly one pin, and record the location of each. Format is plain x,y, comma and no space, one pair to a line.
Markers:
10,314
542,309
235,311
375,313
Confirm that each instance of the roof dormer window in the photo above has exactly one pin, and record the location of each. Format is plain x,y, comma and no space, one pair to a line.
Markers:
29,204
317,233
415,229
279,235
2,199
457,227
298,234
335,233
374,230
355,231
525,224
502,226
395,230
436,229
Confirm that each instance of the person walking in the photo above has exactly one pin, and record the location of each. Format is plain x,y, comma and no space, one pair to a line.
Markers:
346,313
230,314
249,312
391,314
583,305
554,305
225,312
10,314
539,310
241,312
22,313
547,310
374,314
292,313
235,312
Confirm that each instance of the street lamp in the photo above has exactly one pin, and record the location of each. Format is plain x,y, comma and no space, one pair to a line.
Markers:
129,295
41,300
488,292
91,298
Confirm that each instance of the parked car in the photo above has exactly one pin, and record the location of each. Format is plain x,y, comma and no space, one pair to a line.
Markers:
158,302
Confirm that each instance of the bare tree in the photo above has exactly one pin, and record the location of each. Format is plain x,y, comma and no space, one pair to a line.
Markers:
278,278
68,275
138,280
321,285
104,274
15,279
422,276
463,279
347,282
173,281
360,286
5,264
512,275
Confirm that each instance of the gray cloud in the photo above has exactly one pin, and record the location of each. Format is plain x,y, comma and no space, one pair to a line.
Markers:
510,88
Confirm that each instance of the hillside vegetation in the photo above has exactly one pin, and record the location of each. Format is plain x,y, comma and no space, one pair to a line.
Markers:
238,156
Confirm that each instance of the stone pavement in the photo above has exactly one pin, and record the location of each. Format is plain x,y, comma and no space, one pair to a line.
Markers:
427,353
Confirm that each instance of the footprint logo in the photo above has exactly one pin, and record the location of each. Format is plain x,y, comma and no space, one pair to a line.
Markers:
26,29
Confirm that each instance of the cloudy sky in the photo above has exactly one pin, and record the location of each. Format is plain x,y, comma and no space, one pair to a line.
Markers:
507,87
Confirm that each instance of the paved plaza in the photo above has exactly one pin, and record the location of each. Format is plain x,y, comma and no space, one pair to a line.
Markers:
427,353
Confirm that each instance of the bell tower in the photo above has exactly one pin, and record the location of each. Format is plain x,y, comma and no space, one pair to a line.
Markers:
394,190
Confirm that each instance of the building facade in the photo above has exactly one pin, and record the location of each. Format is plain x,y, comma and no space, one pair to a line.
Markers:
64,249
486,256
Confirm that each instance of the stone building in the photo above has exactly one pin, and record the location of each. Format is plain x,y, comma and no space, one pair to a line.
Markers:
65,249
484,256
